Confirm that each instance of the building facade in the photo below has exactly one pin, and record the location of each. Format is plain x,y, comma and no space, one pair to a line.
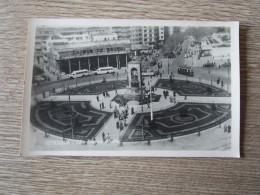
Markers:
69,49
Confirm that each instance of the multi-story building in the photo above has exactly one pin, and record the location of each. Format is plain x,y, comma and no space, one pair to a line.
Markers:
68,49
149,35
136,35
123,32
89,55
161,34
218,45
42,34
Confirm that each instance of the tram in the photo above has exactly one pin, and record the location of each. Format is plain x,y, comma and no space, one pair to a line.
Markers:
185,70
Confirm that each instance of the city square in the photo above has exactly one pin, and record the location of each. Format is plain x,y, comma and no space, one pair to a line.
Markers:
144,101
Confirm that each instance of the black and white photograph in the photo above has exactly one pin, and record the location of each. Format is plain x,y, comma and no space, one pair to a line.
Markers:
98,87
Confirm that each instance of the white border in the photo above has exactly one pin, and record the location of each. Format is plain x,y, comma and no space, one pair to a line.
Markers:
235,90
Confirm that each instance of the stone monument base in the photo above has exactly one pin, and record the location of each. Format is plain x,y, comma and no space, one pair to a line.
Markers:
133,93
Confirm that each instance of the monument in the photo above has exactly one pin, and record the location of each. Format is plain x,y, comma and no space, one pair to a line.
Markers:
134,89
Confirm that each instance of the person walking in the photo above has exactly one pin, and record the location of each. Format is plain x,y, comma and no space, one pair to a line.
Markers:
104,137
108,138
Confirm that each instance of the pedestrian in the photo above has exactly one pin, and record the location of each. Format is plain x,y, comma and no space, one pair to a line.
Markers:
229,128
171,136
103,105
95,141
132,111
108,138
225,128
110,104
171,99
97,98
104,137
121,126
100,106
104,94
115,116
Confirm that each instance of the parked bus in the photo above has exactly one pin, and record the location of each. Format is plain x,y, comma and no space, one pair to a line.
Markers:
185,70
79,73
148,73
105,70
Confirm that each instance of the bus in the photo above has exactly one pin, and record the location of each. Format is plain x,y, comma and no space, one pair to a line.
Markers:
185,70
105,70
148,73
79,73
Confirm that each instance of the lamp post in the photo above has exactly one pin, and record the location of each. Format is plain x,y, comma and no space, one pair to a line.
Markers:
71,122
168,66
228,79
151,107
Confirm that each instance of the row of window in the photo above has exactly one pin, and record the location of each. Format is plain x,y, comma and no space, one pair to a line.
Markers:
90,51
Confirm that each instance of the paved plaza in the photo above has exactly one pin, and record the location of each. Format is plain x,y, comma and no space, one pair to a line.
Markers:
188,108
102,109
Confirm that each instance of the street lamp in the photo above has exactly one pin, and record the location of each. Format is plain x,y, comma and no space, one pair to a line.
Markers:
168,66
71,122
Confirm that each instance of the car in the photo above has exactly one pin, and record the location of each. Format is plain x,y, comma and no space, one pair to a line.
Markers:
78,73
38,78
169,55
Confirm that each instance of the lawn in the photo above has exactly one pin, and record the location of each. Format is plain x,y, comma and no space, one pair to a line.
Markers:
55,118
181,119
191,88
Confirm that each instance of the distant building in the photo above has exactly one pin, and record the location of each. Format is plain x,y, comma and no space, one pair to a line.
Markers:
136,35
218,45
68,49
89,55
123,32
150,35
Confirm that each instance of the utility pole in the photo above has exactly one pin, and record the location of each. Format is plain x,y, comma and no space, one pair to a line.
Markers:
168,66
151,107
142,103
71,122
228,80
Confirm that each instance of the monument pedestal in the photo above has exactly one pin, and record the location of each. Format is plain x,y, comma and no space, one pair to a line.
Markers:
133,93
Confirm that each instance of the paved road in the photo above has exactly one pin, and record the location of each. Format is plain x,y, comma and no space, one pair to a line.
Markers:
46,86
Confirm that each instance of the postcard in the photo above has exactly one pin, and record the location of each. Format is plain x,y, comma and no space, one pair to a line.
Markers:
157,88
